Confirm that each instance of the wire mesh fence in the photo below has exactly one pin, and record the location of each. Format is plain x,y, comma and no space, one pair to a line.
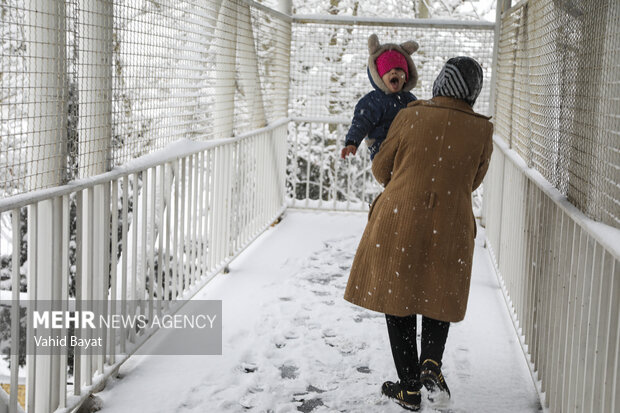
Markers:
87,86
329,60
557,98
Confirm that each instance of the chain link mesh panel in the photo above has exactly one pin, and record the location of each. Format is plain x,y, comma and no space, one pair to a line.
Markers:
86,86
32,92
557,98
329,60
196,70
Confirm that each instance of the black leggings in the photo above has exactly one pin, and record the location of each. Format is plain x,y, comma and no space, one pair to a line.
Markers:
402,333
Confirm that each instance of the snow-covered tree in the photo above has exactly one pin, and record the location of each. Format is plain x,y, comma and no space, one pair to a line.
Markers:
407,9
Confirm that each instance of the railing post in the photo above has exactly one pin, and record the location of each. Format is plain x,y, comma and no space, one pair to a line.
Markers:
249,79
15,309
285,6
422,10
224,108
500,6
95,132
47,92
95,86
47,125
282,60
45,287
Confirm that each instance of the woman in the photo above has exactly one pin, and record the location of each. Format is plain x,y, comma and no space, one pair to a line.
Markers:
416,252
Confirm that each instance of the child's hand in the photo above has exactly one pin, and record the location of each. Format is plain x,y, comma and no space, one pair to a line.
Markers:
349,149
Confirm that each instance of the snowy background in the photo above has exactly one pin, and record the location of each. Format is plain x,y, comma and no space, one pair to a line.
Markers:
456,9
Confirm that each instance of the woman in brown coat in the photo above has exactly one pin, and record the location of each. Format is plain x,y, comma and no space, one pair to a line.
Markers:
415,255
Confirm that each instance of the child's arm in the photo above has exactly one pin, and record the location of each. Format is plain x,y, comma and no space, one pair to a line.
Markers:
383,163
366,116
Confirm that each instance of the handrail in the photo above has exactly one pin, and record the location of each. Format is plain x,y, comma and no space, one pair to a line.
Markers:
269,10
607,236
320,119
378,21
172,152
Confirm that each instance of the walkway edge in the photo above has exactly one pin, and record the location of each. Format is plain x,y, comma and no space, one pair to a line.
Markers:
515,324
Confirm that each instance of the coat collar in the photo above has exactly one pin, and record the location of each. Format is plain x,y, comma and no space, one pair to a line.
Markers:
448,103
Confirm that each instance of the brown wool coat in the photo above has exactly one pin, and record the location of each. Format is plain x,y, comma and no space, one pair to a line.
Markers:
416,252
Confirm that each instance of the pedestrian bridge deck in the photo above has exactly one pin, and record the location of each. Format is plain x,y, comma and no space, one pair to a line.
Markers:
291,343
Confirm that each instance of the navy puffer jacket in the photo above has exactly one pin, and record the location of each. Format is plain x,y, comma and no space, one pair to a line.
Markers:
373,116
375,112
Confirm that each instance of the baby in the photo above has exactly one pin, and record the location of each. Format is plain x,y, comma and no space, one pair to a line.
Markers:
393,74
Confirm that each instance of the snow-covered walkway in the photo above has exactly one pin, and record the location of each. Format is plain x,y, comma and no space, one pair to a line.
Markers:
291,343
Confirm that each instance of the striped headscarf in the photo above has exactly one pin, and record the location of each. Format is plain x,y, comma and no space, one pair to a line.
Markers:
461,78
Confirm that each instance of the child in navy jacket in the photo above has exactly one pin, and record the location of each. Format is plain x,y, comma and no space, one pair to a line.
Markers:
393,74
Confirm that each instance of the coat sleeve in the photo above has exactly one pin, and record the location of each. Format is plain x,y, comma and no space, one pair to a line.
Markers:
366,116
383,162
485,159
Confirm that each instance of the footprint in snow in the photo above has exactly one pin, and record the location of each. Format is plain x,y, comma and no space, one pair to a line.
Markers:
344,345
363,369
288,372
309,405
248,367
328,332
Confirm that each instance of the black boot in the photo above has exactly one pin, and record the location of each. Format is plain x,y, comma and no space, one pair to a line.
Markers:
408,396
433,380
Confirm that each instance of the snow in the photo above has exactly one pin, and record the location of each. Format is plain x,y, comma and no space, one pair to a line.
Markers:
291,343
438,9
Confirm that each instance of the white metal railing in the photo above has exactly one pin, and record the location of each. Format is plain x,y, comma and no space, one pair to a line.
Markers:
560,273
317,178
194,206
